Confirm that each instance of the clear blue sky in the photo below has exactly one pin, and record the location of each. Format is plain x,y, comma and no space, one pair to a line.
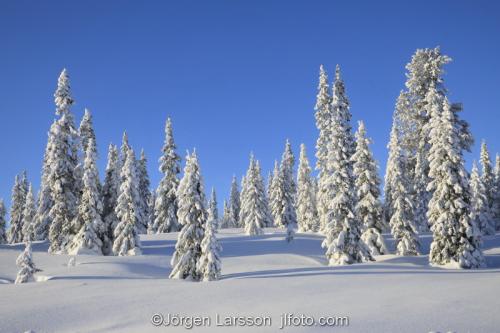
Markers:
234,76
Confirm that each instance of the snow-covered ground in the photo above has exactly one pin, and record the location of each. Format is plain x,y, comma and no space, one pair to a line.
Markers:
262,276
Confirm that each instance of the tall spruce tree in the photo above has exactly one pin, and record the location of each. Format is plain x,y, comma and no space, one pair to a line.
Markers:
45,202
456,237
29,213
487,175
367,183
192,215
213,212
481,213
3,223
307,214
91,228
63,177
144,193
166,195
253,211
403,228
343,231
110,193
324,119
496,194
86,131
285,194
18,200
274,190
126,237
234,202
227,218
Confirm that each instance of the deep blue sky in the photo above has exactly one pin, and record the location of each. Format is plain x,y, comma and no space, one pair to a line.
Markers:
234,76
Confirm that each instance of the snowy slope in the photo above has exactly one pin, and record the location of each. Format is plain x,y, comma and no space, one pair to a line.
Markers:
262,276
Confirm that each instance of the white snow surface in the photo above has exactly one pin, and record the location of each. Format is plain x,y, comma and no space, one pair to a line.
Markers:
263,275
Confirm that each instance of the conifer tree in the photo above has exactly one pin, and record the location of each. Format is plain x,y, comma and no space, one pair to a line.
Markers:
284,204
151,219
192,215
307,214
86,131
227,219
88,220
126,237
487,175
343,231
166,198
392,159
110,193
402,227
234,202
480,211
144,193
367,183
209,265
274,191
213,213
45,202
495,209
29,216
63,177
18,200
456,237
124,148
3,232
253,211
27,266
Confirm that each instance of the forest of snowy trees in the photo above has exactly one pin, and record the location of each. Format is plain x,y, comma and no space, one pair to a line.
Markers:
426,187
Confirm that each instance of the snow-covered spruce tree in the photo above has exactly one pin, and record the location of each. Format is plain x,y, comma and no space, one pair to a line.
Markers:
151,219
401,222
253,212
192,215
480,211
227,218
307,214
27,266
209,265
343,231
125,147
433,105
126,238
234,202
29,213
270,180
495,208
45,202
166,197
3,231
110,193
324,118
487,175
63,177
88,218
268,219
285,194
144,193
392,160
274,190
425,71
213,212
86,130
456,237
367,183
18,200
